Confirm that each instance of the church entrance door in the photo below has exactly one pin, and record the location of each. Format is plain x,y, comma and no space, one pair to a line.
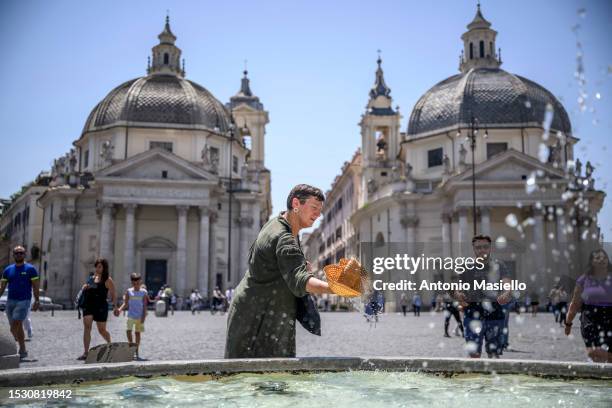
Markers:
155,274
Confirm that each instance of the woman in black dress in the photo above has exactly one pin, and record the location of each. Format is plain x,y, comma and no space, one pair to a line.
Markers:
95,305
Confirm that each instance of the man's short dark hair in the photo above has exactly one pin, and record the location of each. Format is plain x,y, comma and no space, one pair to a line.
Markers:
481,238
135,276
302,192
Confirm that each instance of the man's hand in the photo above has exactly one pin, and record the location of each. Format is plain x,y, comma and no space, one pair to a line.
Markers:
36,305
308,266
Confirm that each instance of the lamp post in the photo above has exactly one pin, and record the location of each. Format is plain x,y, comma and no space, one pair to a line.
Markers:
230,200
471,137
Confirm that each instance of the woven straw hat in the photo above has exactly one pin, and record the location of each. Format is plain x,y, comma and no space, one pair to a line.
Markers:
344,278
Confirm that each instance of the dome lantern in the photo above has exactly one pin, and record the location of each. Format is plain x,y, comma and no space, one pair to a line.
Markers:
479,45
166,56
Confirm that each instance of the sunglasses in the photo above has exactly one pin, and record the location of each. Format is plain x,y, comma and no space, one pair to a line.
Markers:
18,253
135,280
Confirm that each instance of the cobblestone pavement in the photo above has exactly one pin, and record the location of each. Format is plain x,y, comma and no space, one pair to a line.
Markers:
58,339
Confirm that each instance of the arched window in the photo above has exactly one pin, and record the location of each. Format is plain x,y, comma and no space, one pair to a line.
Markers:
482,49
166,58
471,51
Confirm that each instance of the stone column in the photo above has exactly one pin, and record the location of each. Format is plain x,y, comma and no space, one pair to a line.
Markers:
485,221
212,259
463,231
129,255
105,231
203,254
446,239
562,247
245,222
181,251
539,254
69,217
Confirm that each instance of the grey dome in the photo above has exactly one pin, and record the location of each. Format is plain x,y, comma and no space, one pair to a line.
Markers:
493,96
159,101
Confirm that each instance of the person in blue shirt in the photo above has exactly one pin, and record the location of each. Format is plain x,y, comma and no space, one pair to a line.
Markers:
22,280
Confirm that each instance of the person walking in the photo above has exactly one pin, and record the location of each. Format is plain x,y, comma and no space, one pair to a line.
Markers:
22,280
535,303
262,315
553,298
95,306
562,305
404,303
416,304
196,301
135,300
593,296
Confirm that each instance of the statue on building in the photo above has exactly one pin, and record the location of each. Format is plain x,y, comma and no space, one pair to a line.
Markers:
205,156
447,165
589,176
578,168
555,154
107,151
372,186
462,154
408,171
214,161
72,161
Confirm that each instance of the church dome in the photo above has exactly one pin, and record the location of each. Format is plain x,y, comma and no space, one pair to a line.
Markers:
159,101
163,98
493,96
485,92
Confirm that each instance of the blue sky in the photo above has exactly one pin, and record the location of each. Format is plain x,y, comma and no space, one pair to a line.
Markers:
312,64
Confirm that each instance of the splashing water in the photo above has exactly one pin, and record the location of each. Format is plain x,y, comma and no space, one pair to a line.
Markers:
548,117
530,183
511,220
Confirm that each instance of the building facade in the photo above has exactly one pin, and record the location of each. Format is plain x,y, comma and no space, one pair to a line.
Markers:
418,188
164,180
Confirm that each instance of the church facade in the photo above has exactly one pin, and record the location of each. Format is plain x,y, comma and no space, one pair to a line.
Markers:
164,180
485,137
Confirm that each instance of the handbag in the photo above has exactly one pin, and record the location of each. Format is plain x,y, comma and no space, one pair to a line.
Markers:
307,314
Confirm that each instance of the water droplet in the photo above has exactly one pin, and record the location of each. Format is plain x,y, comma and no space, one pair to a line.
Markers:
582,12
598,95
501,242
528,104
543,153
511,220
530,183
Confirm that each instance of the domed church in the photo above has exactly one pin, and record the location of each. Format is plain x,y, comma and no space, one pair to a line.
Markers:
485,152
164,180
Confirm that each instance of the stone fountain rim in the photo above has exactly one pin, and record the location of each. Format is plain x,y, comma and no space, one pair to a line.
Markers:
77,374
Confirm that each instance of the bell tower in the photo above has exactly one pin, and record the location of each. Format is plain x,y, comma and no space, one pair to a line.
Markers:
380,133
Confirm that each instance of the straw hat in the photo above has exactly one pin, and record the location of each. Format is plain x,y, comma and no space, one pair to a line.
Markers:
344,278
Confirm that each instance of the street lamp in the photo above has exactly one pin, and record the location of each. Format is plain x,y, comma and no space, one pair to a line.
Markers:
230,200
471,137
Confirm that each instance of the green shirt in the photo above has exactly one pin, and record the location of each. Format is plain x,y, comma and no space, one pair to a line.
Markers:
261,321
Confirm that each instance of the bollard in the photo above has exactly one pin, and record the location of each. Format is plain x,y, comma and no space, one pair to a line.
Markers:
52,311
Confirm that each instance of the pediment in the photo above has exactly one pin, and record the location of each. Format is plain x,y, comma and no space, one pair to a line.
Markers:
156,164
508,166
